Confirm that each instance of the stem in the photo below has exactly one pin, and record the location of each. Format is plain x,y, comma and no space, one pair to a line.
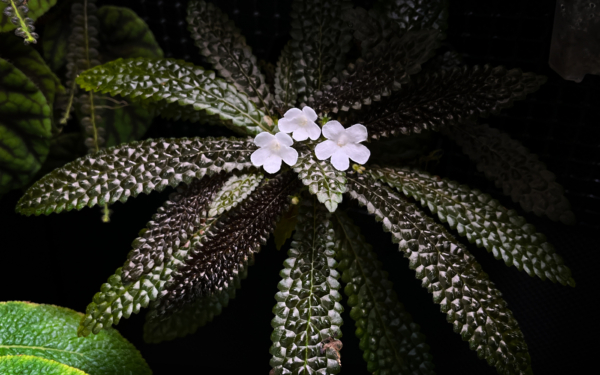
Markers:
29,38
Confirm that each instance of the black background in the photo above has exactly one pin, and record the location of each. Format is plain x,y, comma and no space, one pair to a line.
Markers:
63,259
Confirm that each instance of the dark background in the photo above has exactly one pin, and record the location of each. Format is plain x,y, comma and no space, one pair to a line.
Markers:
63,259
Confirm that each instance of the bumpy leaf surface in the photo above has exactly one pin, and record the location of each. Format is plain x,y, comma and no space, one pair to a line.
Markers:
25,125
119,172
30,365
176,89
462,289
308,309
482,220
438,100
36,9
49,332
221,43
214,262
322,179
515,169
391,342
320,41
286,87
415,14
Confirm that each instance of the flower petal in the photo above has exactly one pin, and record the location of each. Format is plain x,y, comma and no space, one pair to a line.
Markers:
284,139
300,134
259,156
332,130
356,152
309,113
340,160
272,164
287,125
263,139
357,133
325,149
314,131
289,155
292,112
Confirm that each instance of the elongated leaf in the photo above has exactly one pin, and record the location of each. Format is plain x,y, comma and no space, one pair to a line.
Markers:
322,179
308,309
470,300
49,332
482,220
221,43
25,125
415,14
390,341
214,262
286,226
36,9
438,100
515,169
286,87
119,172
175,89
117,300
235,190
30,365
320,41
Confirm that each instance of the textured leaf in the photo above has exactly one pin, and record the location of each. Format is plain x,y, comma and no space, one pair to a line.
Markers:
286,87
320,41
438,100
49,332
482,220
470,300
36,9
514,168
30,365
178,90
25,125
119,172
285,227
15,14
192,316
308,309
214,262
116,300
221,43
413,15
390,341
55,41
322,179
235,191
64,148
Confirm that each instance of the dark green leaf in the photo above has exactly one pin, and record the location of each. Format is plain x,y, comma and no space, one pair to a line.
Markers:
36,9
64,148
451,274
415,14
30,365
122,171
55,41
285,227
25,128
49,332
286,87
308,309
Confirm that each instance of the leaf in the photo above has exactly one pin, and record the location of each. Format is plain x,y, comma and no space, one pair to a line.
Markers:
25,125
451,274
122,171
413,15
322,179
320,41
436,101
221,43
286,87
390,341
55,41
285,227
514,168
116,300
214,262
30,365
308,309
482,220
234,191
168,86
48,332
36,9
15,15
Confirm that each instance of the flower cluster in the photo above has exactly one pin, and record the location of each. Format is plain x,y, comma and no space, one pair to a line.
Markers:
341,144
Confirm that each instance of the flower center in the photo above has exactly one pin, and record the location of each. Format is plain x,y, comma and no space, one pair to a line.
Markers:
303,121
275,146
342,140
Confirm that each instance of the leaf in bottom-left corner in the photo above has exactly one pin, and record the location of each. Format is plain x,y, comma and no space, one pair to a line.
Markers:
50,332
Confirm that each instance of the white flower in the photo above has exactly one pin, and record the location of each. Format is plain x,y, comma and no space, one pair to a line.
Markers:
301,123
273,149
343,144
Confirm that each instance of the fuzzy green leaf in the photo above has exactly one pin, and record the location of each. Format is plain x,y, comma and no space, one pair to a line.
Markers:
415,14
451,274
122,171
176,89
30,365
308,309
286,87
285,227
49,332
322,179
25,128
390,341
482,220
511,166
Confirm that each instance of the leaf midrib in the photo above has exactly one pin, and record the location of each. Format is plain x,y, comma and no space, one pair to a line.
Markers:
39,348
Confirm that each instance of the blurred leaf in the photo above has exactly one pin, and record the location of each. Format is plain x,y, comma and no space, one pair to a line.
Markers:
286,225
56,40
30,365
36,9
